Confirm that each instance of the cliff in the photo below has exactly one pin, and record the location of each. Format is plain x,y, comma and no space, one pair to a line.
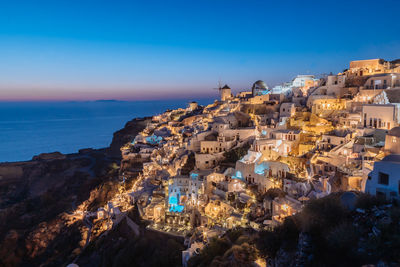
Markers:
121,247
126,134
36,197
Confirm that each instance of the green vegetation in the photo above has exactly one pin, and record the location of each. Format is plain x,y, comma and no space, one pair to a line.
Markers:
271,194
189,165
234,155
233,249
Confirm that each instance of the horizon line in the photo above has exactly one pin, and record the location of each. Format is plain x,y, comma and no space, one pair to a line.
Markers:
110,100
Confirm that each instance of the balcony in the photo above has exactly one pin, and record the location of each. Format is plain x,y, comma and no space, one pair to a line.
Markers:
377,86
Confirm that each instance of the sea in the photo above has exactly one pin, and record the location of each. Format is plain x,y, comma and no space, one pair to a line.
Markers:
30,128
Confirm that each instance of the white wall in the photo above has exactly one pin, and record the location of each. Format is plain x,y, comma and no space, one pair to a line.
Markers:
387,167
386,114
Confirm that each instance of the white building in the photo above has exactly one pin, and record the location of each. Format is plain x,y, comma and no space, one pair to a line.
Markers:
283,207
380,116
207,161
392,141
329,141
178,189
334,86
212,180
384,180
196,187
222,144
298,82
287,110
383,81
262,173
277,142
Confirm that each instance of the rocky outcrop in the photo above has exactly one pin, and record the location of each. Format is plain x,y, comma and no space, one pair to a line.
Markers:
126,135
50,156
304,254
122,247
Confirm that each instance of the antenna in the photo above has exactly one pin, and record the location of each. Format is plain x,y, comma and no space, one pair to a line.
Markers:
322,75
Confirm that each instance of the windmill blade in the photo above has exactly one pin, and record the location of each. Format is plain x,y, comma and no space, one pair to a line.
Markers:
219,85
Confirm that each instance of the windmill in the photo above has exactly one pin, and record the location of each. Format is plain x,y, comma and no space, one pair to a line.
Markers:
225,91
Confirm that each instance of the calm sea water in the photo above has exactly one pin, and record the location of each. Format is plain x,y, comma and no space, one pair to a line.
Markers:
31,128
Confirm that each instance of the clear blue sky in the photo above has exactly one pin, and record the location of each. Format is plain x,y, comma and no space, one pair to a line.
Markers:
155,49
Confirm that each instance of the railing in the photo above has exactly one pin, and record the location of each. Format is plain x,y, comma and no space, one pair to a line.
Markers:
376,86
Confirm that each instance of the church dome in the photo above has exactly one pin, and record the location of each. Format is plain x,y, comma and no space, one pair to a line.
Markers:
394,132
259,88
260,85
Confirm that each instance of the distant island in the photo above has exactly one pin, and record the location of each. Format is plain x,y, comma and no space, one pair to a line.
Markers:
108,100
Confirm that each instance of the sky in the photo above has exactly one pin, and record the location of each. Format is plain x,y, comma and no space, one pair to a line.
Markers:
128,50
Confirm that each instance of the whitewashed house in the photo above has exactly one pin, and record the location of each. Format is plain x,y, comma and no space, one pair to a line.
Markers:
384,180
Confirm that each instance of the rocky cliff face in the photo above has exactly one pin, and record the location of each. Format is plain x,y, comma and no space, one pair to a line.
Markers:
121,247
126,134
36,196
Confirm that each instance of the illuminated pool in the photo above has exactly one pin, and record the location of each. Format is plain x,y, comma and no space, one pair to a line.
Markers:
238,175
173,204
260,168
154,139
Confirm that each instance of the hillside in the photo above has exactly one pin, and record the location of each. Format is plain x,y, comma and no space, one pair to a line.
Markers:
36,197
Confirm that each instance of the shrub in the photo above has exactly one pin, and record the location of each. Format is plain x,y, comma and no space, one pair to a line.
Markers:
216,247
234,155
322,214
240,255
341,241
367,201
